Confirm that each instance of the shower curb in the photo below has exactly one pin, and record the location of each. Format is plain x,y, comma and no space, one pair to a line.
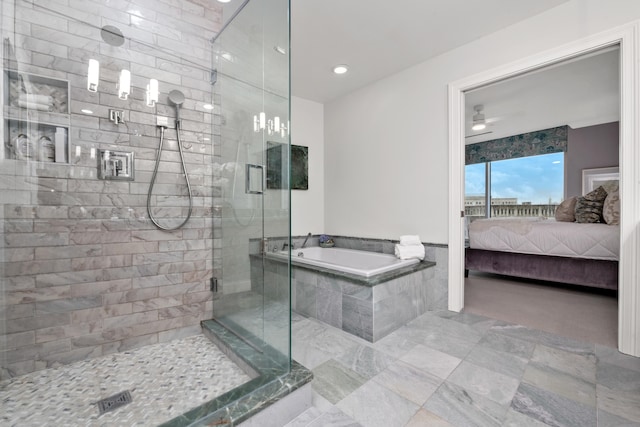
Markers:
269,384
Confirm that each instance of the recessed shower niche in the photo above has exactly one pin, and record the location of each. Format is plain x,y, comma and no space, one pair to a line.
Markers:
36,118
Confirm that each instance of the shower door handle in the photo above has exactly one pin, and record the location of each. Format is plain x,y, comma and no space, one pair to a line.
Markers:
254,182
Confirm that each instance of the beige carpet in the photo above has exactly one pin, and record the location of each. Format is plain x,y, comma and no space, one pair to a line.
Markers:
567,311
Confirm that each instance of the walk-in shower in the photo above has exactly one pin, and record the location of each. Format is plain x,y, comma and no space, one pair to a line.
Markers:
106,284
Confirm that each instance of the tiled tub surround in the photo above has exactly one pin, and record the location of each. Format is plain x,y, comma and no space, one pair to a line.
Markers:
368,308
84,271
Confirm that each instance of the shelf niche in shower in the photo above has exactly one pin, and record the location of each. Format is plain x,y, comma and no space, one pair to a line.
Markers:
35,118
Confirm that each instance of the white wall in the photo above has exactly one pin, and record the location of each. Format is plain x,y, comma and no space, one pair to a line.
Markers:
307,207
386,144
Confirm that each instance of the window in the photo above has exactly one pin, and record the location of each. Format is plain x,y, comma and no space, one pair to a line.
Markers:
474,191
524,186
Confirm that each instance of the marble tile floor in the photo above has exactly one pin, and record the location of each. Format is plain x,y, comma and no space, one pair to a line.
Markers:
165,380
461,369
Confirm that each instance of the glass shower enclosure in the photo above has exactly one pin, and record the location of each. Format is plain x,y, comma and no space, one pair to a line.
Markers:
252,63
88,90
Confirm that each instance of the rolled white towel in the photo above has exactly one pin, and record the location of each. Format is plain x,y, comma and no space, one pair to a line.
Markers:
35,105
35,98
410,252
410,240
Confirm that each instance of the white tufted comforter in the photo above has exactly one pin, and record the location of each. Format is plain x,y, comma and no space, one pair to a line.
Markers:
540,236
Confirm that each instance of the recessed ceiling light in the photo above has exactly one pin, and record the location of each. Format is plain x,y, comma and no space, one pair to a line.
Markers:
227,56
340,69
84,110
224,1
280,50
207,107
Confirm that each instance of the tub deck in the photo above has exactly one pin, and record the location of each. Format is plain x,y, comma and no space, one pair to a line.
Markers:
351,277
356,262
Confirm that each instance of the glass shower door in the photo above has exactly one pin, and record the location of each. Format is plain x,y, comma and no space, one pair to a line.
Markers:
251,170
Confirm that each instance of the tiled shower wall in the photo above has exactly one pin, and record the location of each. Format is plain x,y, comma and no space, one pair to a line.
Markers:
85,272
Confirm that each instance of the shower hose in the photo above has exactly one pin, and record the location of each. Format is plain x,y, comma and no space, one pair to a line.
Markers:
153,180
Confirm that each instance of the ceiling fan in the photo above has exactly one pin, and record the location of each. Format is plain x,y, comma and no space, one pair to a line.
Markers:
480,123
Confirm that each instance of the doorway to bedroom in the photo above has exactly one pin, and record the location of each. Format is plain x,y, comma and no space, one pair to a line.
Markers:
542,239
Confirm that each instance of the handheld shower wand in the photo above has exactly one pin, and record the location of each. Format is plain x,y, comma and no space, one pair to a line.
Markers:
177,98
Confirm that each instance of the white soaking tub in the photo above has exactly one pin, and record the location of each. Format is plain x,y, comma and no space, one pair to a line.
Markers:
360,263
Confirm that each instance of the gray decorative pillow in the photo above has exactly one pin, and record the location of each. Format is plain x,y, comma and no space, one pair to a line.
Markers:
611,208
589,207
566,211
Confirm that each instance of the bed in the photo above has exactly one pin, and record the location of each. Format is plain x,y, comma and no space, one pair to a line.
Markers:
584,254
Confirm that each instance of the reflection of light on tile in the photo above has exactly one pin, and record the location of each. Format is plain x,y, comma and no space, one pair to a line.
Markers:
135,20
93,154
78,151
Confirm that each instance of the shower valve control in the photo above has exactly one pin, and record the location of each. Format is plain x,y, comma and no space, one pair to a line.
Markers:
116,116
116,165
162,121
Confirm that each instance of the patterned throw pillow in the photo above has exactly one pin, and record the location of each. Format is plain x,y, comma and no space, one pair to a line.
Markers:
589,207
566,211
611,208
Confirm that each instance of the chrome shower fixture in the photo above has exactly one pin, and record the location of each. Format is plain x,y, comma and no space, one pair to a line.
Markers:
112,35
176,98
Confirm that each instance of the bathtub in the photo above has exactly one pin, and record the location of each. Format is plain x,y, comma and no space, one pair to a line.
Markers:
360,263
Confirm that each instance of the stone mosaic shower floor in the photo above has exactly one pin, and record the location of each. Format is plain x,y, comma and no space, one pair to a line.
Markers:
165,380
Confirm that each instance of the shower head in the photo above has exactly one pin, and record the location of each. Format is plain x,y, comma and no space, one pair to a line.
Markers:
112,35
177,98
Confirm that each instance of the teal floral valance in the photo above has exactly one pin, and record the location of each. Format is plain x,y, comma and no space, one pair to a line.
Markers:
545,141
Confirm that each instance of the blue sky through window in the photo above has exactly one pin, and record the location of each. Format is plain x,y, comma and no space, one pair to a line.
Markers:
534,179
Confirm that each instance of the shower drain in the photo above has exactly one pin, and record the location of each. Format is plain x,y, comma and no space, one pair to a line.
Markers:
114,402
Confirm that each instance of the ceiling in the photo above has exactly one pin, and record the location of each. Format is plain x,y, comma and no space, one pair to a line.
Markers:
379,38
580,92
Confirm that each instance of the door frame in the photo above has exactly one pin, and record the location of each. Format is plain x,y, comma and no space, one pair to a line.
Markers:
629,275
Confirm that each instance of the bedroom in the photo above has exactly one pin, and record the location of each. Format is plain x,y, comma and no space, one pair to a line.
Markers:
530,156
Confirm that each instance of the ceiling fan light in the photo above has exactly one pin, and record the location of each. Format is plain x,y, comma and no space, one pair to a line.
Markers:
478,119
478,126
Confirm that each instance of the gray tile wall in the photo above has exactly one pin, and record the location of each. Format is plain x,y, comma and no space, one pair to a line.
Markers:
84,271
